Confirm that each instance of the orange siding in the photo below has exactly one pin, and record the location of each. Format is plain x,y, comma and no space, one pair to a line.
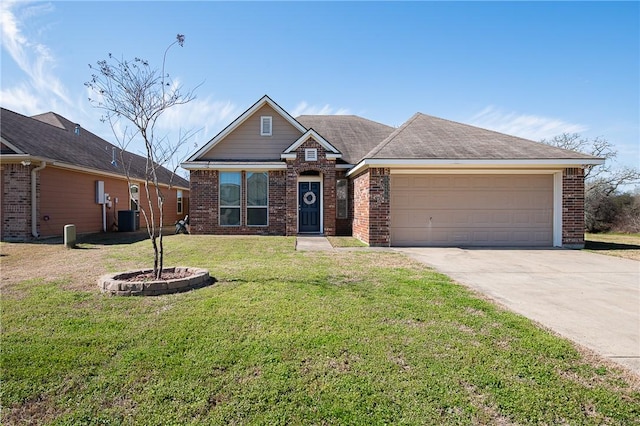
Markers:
69,197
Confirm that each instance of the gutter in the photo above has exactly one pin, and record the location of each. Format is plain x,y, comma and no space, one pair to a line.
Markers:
34,199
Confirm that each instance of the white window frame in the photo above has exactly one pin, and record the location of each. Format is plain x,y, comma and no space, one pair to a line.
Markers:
266,207
263,120
180,201
310,154
345,214
135,196
220,206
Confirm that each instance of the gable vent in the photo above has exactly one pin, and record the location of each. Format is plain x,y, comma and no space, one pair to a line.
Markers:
310,154
266,125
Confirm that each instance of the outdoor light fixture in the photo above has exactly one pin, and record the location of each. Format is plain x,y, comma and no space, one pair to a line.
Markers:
26,162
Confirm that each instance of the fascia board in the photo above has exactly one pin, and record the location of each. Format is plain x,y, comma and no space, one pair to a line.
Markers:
16,158
68,166
244,117
496,163
212,165
312,133
12,146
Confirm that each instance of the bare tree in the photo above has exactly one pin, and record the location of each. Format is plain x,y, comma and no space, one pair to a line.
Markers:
604,207
605,178
134,92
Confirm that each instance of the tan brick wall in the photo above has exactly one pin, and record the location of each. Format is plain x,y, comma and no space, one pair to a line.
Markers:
573,208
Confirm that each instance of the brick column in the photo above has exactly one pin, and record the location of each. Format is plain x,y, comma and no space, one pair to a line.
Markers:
203,211
291,199
573,208
16,202
360,222
371,206
379,208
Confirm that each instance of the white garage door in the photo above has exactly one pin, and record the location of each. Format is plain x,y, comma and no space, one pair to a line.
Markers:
472,210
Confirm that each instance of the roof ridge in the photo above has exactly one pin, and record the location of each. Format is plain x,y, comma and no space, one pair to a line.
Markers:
344,115
392,136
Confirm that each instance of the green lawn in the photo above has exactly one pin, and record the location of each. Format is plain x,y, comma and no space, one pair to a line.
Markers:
283,337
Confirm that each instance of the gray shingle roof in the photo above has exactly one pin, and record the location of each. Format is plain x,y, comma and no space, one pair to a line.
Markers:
52,137
427,137
353,136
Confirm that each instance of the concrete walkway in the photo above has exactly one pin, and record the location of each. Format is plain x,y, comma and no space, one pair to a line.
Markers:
590,298
313,243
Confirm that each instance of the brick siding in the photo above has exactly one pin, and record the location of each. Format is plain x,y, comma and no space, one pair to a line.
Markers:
16,202
327,169
204,211
371,217
283,198
573,208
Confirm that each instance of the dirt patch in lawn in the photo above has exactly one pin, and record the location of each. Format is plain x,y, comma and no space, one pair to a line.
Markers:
22,262
51,261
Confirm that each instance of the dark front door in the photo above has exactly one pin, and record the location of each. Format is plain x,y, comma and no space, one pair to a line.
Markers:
309,207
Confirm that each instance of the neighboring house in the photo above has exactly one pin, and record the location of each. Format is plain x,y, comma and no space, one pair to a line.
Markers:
430,182
50,174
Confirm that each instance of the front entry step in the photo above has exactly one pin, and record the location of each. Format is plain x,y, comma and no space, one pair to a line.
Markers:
315,243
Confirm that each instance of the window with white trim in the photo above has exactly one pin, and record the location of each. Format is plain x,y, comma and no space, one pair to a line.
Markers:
179,198
230,193
310,154
134,193
257,198
342,198
266,125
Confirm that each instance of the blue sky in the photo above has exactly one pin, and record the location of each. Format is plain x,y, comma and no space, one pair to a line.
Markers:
530,69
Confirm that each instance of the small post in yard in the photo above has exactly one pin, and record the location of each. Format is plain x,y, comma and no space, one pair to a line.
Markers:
70,236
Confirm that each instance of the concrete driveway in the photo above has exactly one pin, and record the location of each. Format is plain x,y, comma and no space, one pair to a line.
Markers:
589,298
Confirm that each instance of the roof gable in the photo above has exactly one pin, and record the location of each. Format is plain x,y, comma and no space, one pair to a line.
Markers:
290,151
255,108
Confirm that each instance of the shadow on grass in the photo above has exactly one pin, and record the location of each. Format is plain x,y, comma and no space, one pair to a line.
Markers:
114,238
602,245
102,238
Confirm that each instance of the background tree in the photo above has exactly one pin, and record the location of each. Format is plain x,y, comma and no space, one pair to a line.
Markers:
134,96
606,208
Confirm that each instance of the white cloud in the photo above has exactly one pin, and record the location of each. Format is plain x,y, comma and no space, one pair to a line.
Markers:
303,108
204,116
34,59
20,99
527,126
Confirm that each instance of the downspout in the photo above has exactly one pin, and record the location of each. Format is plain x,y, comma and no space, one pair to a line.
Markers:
34,199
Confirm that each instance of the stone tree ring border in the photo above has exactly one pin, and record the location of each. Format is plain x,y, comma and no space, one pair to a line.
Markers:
309,198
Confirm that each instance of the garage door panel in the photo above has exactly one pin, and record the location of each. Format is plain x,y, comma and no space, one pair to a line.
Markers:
472,210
